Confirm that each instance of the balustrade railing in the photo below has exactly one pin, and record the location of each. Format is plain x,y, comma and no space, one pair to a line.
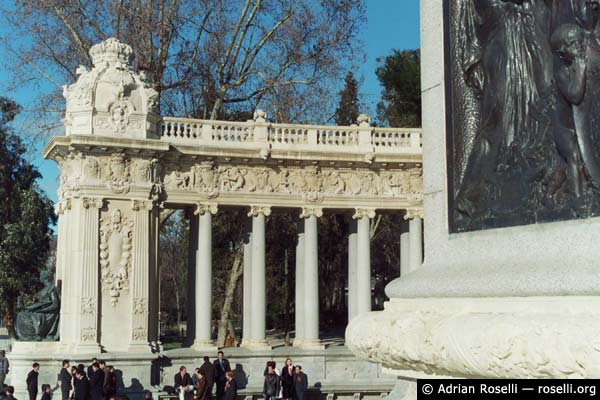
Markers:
362,138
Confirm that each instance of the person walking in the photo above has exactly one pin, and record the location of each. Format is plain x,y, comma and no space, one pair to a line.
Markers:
32,381
287,379
209,371
82,385
64,377
300,383
230,392
271,384
201,386
96,382
221,367
4,366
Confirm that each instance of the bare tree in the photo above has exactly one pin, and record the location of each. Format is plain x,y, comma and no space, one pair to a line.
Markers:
205,57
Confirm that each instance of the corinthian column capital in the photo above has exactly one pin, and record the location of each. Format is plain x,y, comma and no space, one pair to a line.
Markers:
202,209
412,213
311,211
256,210
360,213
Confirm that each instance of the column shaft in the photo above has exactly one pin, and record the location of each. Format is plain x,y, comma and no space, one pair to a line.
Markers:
191,283
311,280
247,284
203,337
299,302
363,267
416,243
259,296
404,248
352,278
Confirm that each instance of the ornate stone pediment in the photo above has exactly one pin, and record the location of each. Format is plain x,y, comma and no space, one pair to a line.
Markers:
112,99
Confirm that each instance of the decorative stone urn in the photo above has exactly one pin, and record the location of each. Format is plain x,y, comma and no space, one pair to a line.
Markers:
112,99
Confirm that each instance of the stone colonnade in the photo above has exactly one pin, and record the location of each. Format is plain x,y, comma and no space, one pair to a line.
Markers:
307,273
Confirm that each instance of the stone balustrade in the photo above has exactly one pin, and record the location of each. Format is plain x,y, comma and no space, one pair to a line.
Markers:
368,141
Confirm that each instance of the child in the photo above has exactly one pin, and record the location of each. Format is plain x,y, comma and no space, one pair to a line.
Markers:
46,392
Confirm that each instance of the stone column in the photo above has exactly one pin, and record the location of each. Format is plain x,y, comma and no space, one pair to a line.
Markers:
404,248
415,238
259,288
141,274
203,279
363,259
352,282
247,283
311,278
191,289
86,310
299,302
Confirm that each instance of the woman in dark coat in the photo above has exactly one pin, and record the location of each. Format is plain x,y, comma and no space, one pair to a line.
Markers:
201,386
287,379
82,386
230,387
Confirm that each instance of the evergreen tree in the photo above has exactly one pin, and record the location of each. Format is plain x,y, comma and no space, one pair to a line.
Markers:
347,110
400,75
25,218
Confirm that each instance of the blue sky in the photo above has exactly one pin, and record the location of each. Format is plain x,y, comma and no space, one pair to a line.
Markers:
391,24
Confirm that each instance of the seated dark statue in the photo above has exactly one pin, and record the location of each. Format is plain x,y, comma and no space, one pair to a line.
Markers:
39,321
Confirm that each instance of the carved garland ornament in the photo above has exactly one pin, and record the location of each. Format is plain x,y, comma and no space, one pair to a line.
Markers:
115,254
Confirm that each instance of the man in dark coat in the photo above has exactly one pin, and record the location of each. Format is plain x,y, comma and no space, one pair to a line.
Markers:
89,368
208,370
110,382
183,380
32,381
65,380
300,383
82,386
96,382
221,367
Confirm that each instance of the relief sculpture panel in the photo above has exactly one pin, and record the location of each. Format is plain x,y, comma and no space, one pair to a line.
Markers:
310,184
523,111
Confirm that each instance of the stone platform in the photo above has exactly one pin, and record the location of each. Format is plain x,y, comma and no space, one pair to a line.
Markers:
332,371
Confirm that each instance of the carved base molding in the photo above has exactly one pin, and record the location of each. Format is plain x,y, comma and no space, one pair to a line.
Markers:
520,337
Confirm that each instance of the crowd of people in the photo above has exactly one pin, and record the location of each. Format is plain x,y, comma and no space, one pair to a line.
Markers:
290,383
99,382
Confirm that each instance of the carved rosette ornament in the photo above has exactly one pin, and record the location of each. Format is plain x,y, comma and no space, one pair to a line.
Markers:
311,212
255,211
360,213
115,253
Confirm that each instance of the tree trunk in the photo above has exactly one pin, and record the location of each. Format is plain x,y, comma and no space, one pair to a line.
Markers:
234,277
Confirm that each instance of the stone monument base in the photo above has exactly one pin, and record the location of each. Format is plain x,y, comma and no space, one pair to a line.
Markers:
333,371
508,337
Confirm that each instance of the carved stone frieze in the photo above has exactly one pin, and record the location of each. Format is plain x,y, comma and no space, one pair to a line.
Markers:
118,173
310,184
139,334
88,306
88,335
116,238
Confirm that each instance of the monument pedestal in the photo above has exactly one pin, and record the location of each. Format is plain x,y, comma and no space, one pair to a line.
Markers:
515,302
